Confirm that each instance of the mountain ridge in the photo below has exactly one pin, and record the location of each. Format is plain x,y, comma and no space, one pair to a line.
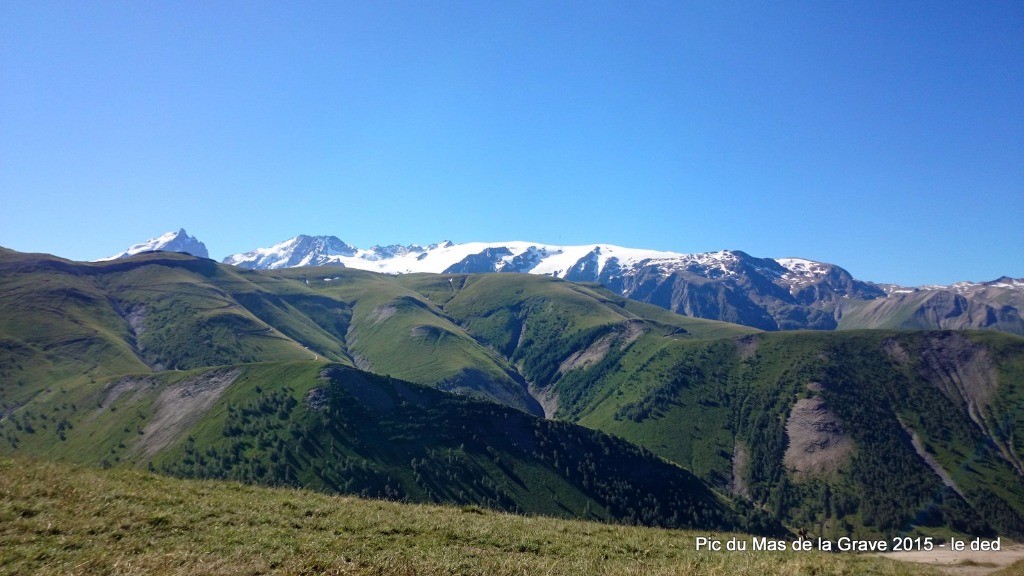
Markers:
178,241
728,285
102,357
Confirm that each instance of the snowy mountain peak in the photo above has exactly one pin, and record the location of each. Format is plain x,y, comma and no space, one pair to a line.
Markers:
966,287
730,285
445,256
1007,282
301,250
589,262
804,267
178,241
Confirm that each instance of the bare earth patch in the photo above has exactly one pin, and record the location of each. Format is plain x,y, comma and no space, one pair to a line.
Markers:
634,330
967,562
136,318
740,457
818,445
180,406
931,461
382,313
129,387
746,346
126,385
547,398
588,356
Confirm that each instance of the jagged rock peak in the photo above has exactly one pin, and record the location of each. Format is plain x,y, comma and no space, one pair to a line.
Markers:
178,241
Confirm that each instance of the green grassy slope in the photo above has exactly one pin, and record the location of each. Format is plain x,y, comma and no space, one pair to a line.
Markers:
61,339
161,311
699,392
402,333
183,314
892,314
720,408
550,330
862,432
337,429
58,518
55,326
991,309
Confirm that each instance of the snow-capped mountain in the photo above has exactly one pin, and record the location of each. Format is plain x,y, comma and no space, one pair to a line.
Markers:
590,262
448,257
730,285
178,241
1004,282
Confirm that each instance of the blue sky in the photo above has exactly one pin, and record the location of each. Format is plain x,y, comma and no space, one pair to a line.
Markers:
884,137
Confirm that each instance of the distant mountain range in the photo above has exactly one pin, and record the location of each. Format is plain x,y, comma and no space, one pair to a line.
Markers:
728,285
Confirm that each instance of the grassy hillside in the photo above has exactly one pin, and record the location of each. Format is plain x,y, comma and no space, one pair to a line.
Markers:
550,331
162,311
59,518
337,429
836,432
403,333
861,432
56,326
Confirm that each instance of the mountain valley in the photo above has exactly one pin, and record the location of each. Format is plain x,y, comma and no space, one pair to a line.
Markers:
315,376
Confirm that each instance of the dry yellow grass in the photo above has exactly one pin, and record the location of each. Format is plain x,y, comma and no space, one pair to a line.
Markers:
64,519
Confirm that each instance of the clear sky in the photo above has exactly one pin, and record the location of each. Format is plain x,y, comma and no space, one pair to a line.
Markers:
886,137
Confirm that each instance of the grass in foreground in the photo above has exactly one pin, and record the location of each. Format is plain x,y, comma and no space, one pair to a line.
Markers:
67,519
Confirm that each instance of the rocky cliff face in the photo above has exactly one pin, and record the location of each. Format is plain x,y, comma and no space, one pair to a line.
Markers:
758,292
992,305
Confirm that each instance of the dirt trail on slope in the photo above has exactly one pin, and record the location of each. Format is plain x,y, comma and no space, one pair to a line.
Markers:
740,458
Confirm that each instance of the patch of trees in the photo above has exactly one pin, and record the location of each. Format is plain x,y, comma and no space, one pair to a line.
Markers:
709,368
544,347
890,483
631,482
185,337
425,446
